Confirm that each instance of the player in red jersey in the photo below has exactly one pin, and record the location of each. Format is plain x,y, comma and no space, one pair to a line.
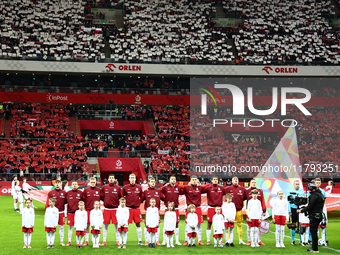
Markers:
152,192
133,193
60,196
239,195
193,194
215,194
171,193
110,194
73,197
263,204
90,195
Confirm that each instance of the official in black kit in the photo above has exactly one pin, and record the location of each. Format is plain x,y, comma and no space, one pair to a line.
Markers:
314,210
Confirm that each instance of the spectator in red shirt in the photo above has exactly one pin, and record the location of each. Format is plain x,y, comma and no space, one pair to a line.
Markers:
133,194
90,195
73,197
60,196
110,194
239,195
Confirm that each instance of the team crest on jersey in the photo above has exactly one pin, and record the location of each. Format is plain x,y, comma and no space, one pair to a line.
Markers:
78,195
136,189
156,193
96,192
176,189
218,188
114,189
61,194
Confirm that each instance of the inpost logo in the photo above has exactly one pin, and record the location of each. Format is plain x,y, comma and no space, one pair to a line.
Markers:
238,103
51,98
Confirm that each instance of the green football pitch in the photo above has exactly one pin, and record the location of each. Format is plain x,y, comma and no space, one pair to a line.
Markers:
11,238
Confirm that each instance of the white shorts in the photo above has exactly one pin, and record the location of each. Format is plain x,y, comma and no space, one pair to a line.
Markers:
15,196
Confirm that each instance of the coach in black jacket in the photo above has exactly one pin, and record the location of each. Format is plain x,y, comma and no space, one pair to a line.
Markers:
314,209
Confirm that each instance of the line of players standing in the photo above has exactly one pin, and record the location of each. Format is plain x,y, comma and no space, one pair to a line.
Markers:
134,195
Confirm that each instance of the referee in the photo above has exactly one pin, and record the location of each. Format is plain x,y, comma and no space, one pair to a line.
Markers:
314,209
297,191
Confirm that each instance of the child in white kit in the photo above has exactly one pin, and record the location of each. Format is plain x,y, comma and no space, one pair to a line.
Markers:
80,223
28,217
254,209
304,222
170,224
229,212
123,222
280,217
218,227
191,228
51,222
96,222
152,222
20,197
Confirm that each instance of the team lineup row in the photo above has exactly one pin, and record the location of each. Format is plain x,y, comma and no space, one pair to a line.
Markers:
122,207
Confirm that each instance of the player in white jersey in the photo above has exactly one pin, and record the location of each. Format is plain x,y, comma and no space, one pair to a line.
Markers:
14,194
229,212
218,227
96,223
51,222
18,191
122,215
304,224
80,224
26,187
152,222
280,217
254,210
28,217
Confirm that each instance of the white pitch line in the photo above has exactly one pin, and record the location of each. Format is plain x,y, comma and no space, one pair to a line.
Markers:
326,247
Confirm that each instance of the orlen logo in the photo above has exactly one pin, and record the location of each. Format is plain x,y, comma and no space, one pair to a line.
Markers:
51,98
112,67
268,69
112,125
138,99
119,164
5,190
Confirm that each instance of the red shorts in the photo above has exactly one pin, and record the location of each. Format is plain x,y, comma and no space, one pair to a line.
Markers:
280,220
305,224
110,216
145,219
320,226
61,220
51,230
80,233
70,219
122,229
27,230
218,235
199,215
152,230
135,215
88,216
169,233
177,214
229,224
210,214
193,234
254,223
95,232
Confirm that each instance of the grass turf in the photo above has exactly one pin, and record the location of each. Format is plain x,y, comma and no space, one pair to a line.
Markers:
11,238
